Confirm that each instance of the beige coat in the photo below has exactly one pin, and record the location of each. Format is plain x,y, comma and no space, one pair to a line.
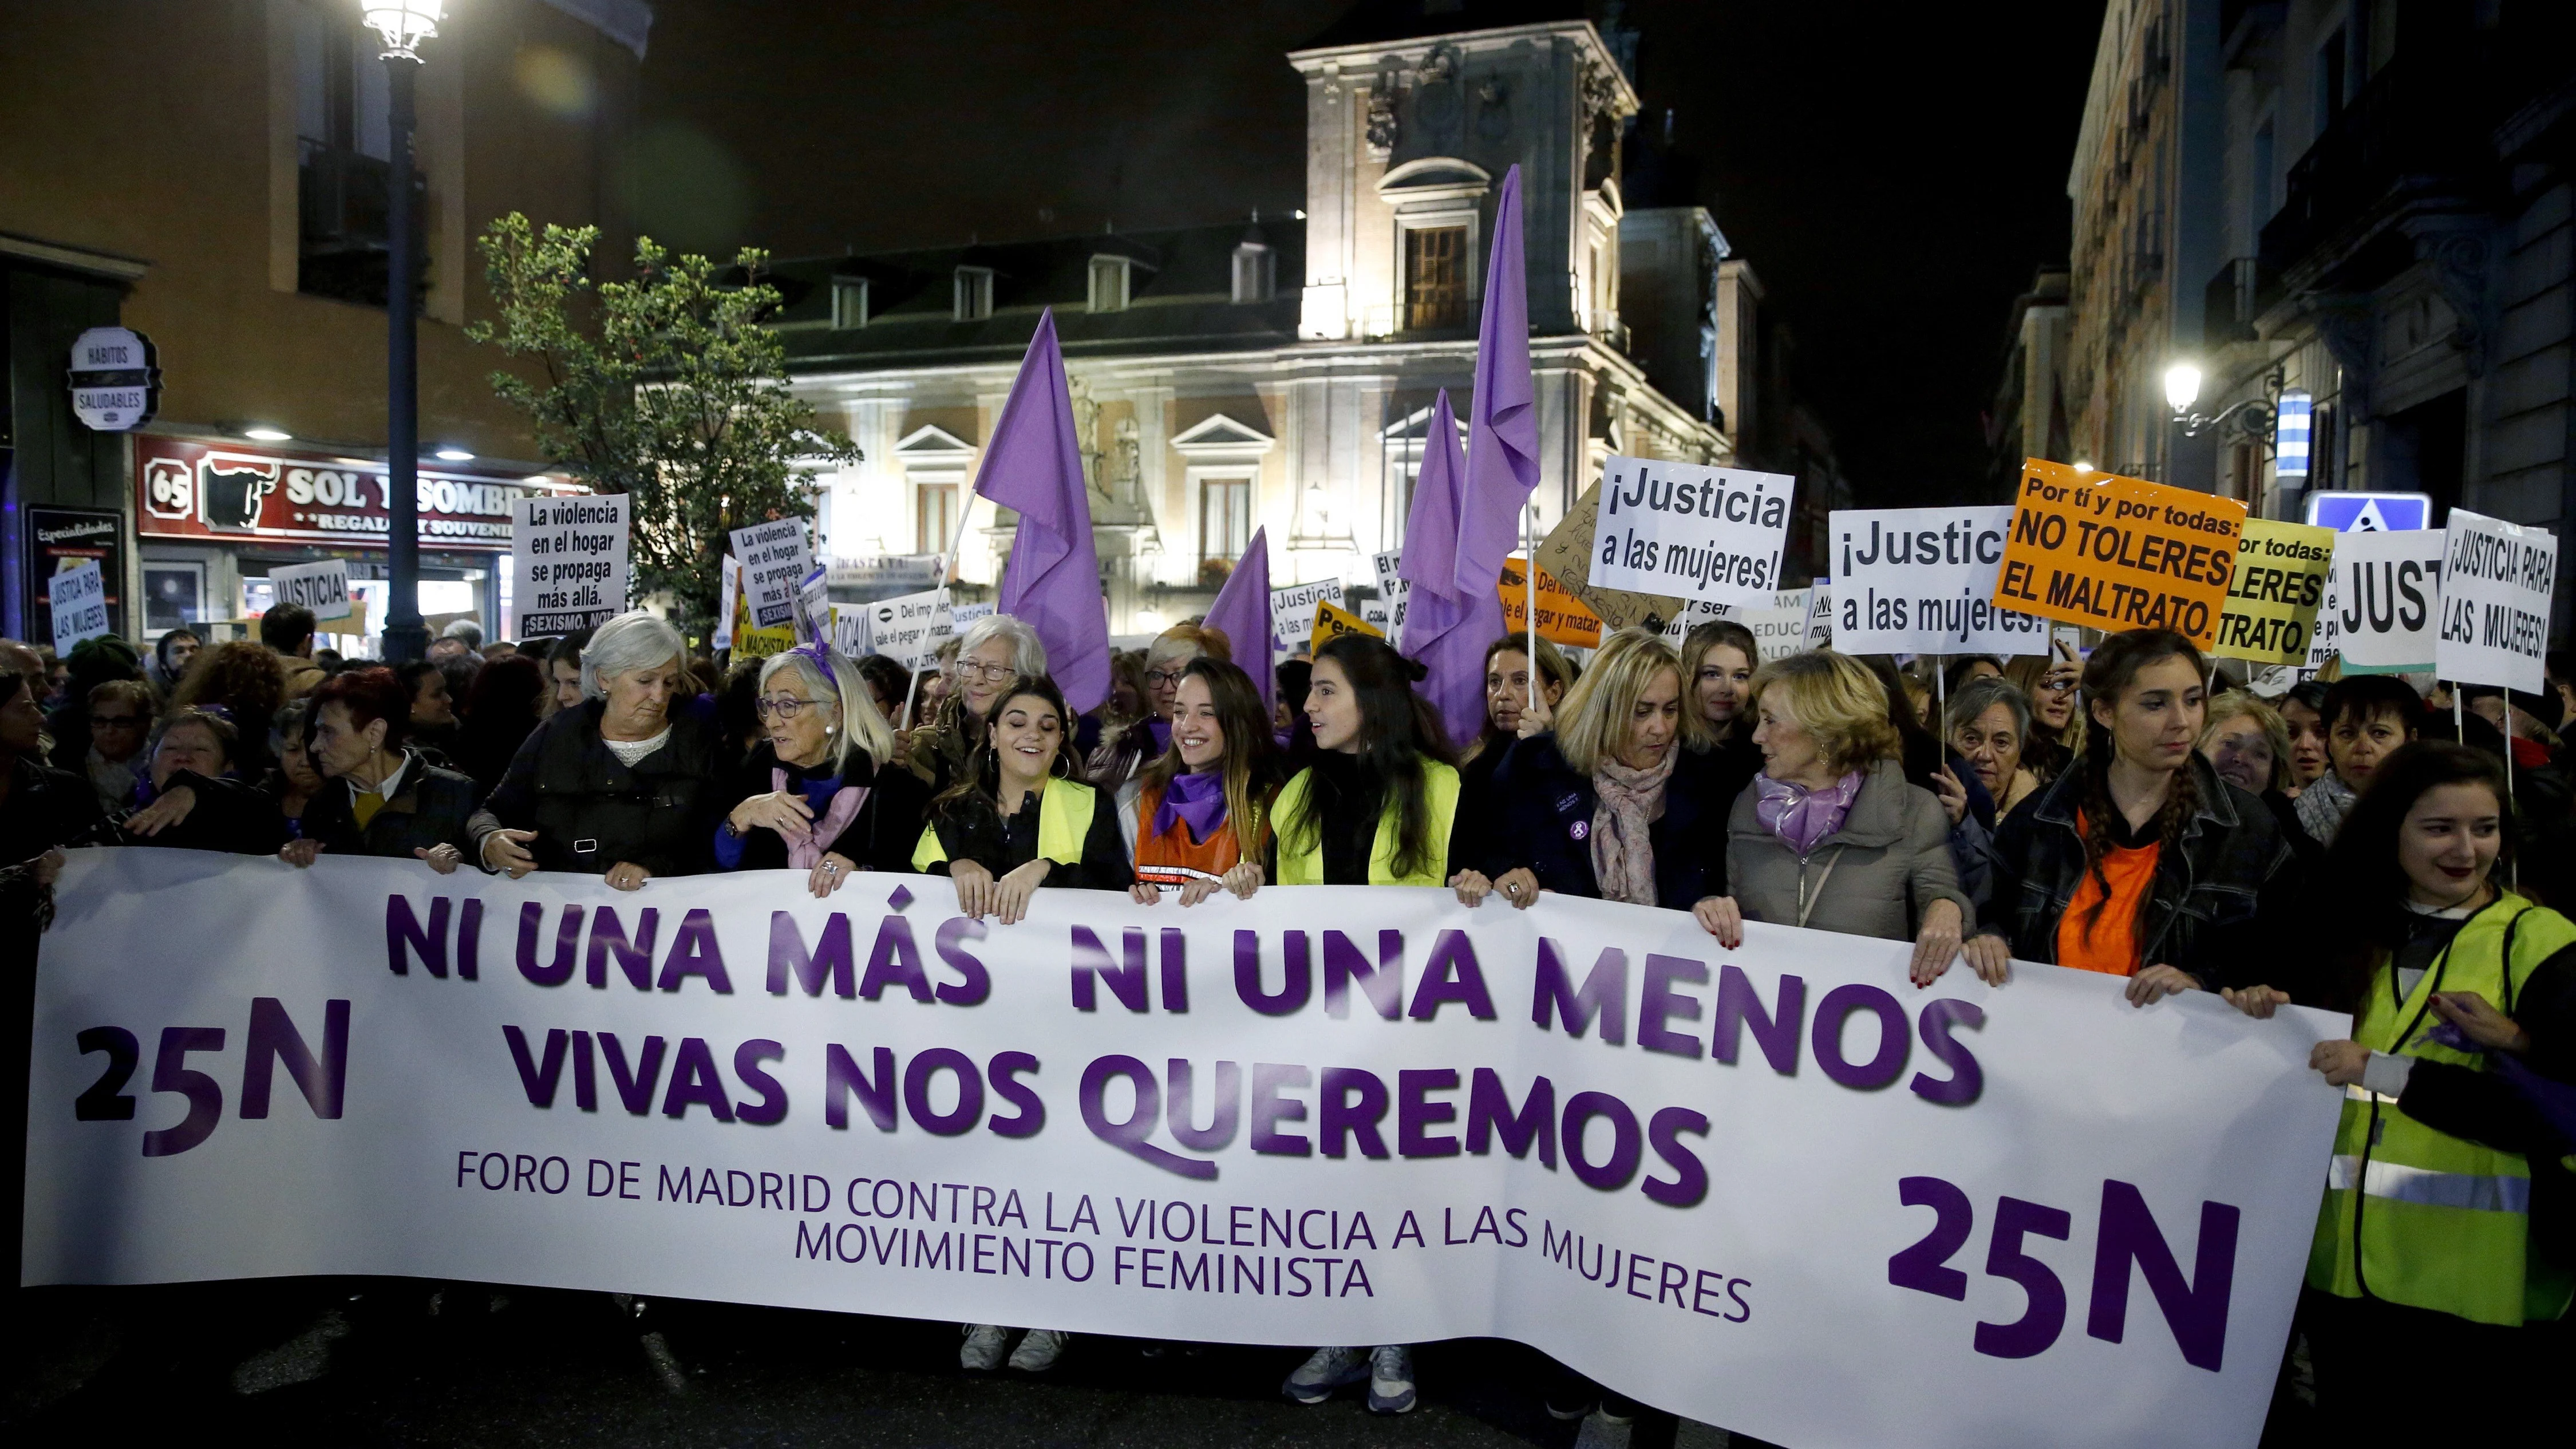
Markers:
1873,877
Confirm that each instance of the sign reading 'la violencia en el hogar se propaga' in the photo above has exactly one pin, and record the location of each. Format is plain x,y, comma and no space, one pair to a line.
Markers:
2119,553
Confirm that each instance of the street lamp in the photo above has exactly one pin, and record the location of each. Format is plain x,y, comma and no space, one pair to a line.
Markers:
404,24
2251,416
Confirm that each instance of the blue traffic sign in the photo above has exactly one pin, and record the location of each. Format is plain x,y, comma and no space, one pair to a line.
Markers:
2370,512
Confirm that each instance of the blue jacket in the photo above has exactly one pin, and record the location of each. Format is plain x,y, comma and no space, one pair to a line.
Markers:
1543,812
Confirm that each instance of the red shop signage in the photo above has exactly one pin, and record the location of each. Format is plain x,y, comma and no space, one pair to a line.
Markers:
216,491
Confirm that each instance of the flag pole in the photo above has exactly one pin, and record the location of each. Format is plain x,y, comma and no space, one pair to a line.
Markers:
1529,546
947,566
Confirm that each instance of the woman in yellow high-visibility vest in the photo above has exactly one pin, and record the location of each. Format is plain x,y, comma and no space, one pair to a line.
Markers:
2424,1256
1375,807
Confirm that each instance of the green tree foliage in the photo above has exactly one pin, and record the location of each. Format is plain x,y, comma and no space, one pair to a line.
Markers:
667,389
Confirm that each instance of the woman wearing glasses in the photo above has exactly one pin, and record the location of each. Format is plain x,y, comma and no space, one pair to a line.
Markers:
815,794
1150,738
996,649
2049,682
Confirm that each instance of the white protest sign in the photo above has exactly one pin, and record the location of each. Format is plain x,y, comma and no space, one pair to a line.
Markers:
730,576
568,555
78,597
2497,578
1689,1178
1690,531
775,559
1784,623
850,630
2386,589
2327,641
908,628
1922,581
813,607
322,587
1386,612
880,576
1292,610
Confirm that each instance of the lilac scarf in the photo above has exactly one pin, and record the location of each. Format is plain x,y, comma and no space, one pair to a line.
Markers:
1197,799
807,853
1800,816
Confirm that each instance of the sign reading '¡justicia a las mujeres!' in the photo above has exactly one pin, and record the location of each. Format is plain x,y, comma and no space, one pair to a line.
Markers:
1776,1187
1690,532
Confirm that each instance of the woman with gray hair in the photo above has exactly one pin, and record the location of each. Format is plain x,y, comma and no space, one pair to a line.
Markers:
619,784
816,793
995,650
1988,724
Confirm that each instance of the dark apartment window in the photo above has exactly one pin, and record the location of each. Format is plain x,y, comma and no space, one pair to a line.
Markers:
849,303
974,299
1109,282
2330,78
1255,273
344,153
1435,276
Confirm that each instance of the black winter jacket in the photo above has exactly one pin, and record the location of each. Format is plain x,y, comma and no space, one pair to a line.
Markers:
882,837
430,807
1543,813
590,811
2219,899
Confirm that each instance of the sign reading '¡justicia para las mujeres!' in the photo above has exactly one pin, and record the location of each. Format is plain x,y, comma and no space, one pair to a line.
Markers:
1777,1188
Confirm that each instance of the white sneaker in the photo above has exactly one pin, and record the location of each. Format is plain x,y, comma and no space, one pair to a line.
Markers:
1390,1388
1601,1431
1325,1370
984,1344
1038,1352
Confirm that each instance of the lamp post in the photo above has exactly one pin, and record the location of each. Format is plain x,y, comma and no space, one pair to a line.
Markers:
404,24
2251,418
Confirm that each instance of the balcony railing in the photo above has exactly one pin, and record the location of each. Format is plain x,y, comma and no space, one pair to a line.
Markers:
2415,127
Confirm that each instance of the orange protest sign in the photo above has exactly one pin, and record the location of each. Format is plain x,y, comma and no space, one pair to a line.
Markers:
1562,618
1333,621
2119,553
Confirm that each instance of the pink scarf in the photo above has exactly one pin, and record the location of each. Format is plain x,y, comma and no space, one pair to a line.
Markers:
808,853
1623,850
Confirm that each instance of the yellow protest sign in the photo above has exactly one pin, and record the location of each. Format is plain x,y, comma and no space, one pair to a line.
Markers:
2118,553
2281,572
1333,621
751,643
1562,618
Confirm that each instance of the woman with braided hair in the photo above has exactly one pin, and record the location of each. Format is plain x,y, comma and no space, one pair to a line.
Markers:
2139,861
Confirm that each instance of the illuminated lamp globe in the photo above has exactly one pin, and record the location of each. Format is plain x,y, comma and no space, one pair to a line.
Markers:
403,23
2182,386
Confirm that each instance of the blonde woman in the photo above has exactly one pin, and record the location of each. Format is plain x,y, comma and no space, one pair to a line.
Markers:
1830,836
816,794
2049,681
1613,804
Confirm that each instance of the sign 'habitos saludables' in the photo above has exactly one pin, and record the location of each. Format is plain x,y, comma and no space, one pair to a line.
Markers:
190,489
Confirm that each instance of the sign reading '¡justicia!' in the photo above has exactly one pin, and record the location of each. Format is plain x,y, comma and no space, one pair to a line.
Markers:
2119,553
1690,532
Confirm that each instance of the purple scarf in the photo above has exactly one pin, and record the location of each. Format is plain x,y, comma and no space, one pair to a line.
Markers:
1800,816
1161,730
1198,800
807,852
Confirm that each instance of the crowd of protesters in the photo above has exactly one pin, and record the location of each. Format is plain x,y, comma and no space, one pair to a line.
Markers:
2131,811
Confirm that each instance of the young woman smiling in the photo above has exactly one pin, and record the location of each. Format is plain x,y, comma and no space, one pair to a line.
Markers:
815,794
1019,820
2139,861
1196,819
2460,993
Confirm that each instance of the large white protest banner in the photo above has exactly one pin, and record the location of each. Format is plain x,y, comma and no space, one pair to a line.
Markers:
1690,531
909,628
2386,588
1292,610
322,587
2497,578
569,557
1777,1189
1922,581
775,559
78,599
882,576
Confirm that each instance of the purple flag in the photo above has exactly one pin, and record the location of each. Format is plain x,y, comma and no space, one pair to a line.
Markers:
1502,418
1052,583
1242,614
1446,628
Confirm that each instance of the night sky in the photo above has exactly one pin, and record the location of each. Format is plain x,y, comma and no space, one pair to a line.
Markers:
1894,173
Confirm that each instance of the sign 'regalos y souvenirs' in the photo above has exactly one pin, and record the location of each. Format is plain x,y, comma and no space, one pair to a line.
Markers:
2119,553
116,379
570,559
1690,532
204,491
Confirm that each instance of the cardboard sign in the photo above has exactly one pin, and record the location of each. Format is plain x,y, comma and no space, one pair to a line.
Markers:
2119,553
1333,621
1566,555
1922,581
322,587
2497,578
1562,618
1690,531
78,597
2387,591
1292,611
775,559
2281,573
569,556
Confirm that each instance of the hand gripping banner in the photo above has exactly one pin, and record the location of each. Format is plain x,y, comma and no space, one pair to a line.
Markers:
1776,1189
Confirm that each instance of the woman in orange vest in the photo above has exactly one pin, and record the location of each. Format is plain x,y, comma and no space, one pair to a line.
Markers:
1196,817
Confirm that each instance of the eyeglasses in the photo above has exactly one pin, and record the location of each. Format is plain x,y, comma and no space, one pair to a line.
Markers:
1157,678
989,673
783,707
2058,686
116,721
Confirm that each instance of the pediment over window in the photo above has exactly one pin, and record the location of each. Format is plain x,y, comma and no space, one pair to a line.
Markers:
1220,438
1435,178
931,444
